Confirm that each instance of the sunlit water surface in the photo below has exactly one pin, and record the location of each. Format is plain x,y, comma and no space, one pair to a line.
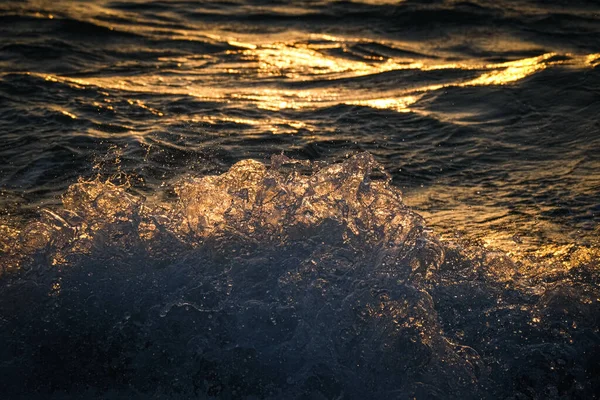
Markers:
323,199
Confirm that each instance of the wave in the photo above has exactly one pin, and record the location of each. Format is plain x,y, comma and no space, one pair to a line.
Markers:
288,280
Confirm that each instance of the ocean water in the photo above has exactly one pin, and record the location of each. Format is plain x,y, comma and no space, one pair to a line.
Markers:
305,200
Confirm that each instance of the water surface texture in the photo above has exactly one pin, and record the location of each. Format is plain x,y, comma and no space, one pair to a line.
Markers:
307,199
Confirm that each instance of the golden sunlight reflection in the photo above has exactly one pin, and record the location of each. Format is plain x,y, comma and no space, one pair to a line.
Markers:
520,232
141,104
400,104
297,61
508,72
68,114
257,73
273,125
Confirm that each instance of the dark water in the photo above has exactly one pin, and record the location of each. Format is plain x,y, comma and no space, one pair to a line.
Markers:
437,239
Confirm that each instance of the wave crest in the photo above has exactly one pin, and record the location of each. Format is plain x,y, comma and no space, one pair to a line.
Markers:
293,280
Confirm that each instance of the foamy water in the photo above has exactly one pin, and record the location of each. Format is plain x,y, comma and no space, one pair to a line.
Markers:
282,281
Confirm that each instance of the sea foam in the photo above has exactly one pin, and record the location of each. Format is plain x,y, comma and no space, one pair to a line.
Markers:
288,280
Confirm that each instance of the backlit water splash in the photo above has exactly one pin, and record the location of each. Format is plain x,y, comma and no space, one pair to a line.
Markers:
325,199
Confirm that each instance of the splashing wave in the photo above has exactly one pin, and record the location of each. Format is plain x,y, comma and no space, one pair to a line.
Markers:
294,280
